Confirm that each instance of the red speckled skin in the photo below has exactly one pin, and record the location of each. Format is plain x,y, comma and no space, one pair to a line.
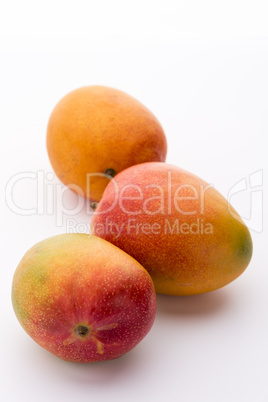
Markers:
76,280
180,263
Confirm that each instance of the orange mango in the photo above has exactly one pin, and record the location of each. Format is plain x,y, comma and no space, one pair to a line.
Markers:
95,132
182,230
83,299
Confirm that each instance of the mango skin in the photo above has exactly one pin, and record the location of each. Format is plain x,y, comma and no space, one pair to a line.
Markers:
74,281
96,128
141,205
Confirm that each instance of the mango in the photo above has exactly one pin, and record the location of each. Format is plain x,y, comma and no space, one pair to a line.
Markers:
182,230
94,132
83,299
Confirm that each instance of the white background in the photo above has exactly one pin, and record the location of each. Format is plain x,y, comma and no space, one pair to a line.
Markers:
202,68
